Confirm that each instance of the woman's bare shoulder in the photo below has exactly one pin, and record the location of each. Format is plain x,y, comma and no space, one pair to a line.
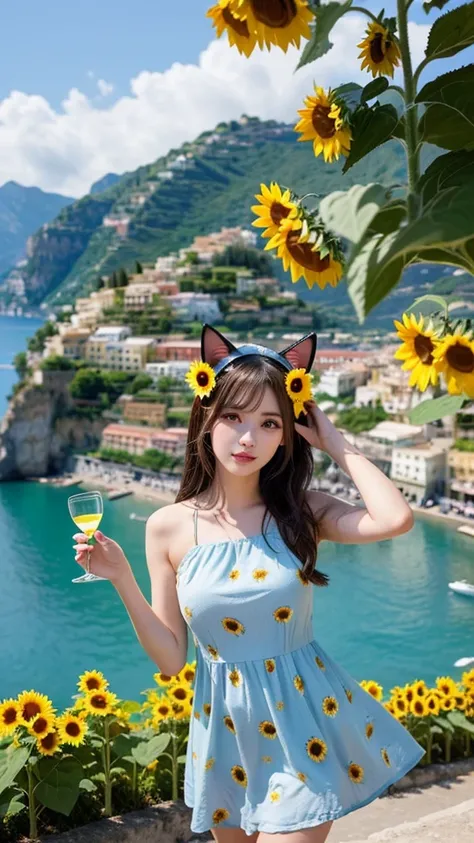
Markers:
167,518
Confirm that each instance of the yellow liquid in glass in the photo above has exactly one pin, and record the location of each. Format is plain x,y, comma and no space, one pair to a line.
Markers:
89,523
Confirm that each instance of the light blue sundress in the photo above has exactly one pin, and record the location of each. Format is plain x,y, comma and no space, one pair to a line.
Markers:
281,737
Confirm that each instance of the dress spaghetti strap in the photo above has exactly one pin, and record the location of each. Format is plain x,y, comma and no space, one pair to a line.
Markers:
195,519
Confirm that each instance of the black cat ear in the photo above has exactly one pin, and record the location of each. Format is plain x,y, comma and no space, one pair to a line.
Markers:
301,353
214,346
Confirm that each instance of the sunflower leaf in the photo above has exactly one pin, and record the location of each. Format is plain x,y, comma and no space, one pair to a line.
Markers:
350,93
450,170
374,89
10,765
460,721
148,751
369,276
451,33
436,299
371,127
11,803
449,117
325,18
432,4
58,788
432,410
350,213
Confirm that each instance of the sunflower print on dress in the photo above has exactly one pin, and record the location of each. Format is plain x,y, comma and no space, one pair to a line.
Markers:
233,626
356,773
283,614
267,729
239,775
220,815
316,749
330,706
235,677
298,682
229,723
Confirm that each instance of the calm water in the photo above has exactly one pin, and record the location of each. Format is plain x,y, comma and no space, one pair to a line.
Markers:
13,335
388,613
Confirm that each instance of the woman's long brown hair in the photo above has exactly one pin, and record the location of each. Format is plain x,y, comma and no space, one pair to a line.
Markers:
283,481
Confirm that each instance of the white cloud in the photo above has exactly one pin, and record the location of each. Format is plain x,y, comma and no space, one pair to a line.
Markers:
105,88
68,149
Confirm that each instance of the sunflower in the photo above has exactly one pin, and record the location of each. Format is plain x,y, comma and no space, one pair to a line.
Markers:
41,725
322,123
9,717
201,378
92,680
380,50
31,704
304,259
446,685
164,680
273,208
298,387
418,351
100,703
223,20
455,354
373,688
72,729
279,22
49,744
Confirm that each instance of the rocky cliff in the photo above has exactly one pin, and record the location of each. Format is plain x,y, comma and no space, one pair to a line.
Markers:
39,431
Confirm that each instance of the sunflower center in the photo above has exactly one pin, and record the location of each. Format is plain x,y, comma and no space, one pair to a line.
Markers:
324,125
98,701
73,730
93,684
304,255
296,385
461,358
423,348
275,13
49,741
30,710
239,26
377,53
202,378
278,212
39,725
9,716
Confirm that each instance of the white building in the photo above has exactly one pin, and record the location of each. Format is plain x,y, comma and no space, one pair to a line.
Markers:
419,471
137,296
166,264
113,333
337,382
176,369
195,307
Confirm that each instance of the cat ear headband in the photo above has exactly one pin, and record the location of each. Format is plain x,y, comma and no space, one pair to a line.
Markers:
218,352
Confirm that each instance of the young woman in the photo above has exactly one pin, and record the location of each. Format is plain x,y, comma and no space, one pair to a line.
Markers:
282,739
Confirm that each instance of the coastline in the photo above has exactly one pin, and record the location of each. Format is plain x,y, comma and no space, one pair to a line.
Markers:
164,497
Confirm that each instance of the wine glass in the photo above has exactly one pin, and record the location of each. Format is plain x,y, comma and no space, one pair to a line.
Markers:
86,510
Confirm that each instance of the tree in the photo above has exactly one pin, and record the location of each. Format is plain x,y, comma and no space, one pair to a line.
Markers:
122,278
138,268
87,384
100,283
56,363
38,340
20,362
140,381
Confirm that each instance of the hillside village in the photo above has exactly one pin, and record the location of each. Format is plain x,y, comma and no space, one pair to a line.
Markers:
128,345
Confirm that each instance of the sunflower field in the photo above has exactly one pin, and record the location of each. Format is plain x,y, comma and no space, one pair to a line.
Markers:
369,234
104,756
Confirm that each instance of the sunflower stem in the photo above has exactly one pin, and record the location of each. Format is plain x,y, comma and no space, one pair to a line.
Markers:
363,12
411,112
108,782
174,767
31,804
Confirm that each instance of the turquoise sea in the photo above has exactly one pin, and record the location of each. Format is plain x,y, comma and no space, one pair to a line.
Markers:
387,615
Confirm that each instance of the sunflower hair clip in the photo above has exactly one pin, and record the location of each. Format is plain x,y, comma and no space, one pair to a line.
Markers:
201,378
298,383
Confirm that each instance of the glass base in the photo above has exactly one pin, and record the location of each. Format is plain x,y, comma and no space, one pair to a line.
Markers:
89,578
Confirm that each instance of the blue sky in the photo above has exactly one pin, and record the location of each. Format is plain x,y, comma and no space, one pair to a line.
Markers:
92,87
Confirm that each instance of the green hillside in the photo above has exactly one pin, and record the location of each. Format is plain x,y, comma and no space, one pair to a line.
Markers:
193,190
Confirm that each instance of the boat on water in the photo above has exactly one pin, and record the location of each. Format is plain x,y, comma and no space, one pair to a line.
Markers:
136,517
466,530
462,587
113,496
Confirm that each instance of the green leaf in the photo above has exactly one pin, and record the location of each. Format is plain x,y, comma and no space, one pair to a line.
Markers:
349,213
431,4
444,724
449,117
371,127
131,706
450,170
389,218
369,276
10,802
58,788
442,303
10,765
123,745
374,88
147,752
326,17
451,33
435,408
350,93
87,785
460,721
181,759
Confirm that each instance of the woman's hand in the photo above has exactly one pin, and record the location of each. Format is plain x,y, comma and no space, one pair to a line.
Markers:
320,432
107,558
